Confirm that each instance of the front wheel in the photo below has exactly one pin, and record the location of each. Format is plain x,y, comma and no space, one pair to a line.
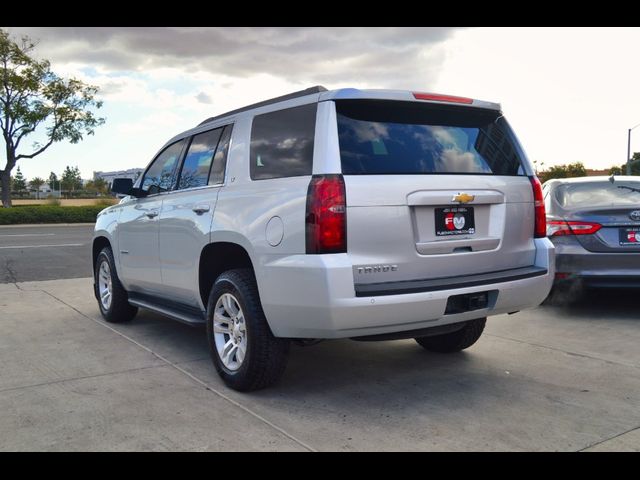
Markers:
244,351
454,341
112,297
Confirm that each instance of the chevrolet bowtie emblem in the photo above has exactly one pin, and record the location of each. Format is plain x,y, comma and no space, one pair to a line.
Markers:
463,198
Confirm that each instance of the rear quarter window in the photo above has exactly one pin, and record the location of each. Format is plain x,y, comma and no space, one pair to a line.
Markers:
282,143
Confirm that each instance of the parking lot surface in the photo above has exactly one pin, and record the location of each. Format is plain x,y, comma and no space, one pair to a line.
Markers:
563,379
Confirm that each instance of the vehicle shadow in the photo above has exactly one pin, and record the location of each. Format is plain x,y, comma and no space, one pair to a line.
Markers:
397,371
346,369
594,303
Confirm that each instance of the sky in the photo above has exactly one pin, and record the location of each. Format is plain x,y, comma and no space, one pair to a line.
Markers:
569,93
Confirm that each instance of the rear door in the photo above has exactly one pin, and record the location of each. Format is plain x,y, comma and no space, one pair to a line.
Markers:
187,212
432,191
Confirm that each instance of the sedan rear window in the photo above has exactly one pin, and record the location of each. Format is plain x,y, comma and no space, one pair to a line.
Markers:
599,194
389,137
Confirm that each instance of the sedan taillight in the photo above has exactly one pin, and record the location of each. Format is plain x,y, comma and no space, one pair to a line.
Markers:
559,227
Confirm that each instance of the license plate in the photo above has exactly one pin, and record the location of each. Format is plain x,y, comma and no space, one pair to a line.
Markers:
630,236
451,221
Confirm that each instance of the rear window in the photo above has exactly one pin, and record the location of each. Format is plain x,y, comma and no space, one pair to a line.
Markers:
282,143
388,137
599,194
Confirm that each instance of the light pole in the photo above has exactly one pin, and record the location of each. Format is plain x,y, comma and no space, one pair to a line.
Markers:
629,150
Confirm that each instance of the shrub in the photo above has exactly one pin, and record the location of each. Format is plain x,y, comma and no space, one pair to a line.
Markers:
49,214
106,202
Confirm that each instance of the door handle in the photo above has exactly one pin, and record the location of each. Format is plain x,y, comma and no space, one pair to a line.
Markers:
152,213
200,209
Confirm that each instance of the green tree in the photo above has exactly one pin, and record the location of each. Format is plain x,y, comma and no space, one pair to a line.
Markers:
615,170
101,186
563,171
35,184
19,182
576,170
54,183
622,169
635,165
33,98
97,186
71,180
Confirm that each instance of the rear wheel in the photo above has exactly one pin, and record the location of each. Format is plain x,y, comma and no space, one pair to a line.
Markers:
244,351
112,297
454,341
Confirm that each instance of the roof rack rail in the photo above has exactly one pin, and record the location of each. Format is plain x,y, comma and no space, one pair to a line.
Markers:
289,96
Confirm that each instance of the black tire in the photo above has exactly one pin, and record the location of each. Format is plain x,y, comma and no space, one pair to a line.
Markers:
120,310
266,356
454,341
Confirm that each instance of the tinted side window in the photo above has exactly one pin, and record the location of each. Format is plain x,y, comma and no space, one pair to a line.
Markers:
159,176
282,143
197,162
220,158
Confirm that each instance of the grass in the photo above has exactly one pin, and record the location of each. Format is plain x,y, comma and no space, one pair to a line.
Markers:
23,214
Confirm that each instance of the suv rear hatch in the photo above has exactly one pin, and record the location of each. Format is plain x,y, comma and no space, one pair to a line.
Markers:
432,191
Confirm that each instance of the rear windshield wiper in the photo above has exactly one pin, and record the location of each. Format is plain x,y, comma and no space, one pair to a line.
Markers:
633,189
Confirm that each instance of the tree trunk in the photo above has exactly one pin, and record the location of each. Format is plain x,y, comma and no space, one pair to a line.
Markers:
5,183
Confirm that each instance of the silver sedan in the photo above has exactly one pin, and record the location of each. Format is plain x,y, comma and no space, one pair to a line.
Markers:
594,223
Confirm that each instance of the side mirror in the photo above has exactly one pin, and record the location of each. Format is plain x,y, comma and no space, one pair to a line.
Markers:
124,186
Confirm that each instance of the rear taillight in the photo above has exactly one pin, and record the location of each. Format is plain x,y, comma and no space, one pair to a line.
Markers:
540,225
559,227
326,218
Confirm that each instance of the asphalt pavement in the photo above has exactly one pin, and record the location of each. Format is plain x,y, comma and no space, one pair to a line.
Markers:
548,379
38,252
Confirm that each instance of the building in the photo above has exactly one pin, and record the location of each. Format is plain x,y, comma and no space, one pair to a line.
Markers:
132,173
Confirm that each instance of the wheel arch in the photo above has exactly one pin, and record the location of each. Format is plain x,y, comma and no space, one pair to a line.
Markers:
216,258
99,243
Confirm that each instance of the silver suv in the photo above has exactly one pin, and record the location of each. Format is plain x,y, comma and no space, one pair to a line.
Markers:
364,214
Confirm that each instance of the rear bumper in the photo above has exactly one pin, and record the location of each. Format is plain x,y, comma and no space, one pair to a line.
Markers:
593,269
314,296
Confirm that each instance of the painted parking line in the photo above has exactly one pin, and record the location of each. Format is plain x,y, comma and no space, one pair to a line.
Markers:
46,246
28,235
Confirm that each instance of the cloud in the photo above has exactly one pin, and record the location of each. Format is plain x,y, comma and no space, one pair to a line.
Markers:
397,57
204,98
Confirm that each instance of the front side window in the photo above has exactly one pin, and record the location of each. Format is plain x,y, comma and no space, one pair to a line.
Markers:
159,176
197,162
388,137
282,143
